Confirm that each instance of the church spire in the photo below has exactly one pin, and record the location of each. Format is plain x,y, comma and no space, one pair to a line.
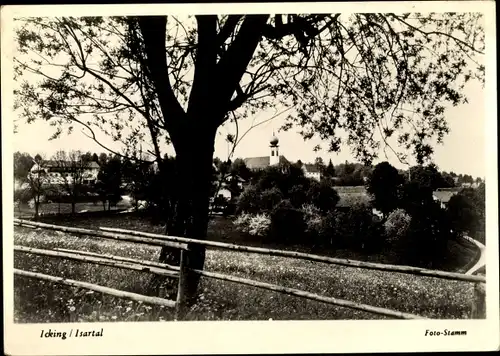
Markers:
274,157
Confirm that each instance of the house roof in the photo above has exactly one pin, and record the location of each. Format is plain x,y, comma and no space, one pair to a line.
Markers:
444,196
311,168
255,163
52,163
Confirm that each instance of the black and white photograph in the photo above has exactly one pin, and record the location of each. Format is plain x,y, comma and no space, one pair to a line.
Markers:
200,178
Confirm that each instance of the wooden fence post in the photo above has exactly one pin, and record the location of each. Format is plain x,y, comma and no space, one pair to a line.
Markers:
479,301
180,302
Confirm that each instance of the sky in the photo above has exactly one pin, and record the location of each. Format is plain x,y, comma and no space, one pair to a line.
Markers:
463,150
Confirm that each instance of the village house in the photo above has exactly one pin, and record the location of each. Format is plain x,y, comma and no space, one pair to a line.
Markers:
311,171
443,196
60,172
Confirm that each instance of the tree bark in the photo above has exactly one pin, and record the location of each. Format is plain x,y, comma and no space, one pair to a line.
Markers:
188,215
37,206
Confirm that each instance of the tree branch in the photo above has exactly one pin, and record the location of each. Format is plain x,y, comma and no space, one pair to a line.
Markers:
153,29
228,29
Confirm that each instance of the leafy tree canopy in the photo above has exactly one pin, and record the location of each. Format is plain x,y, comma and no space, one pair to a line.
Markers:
385,185
22,165
390,74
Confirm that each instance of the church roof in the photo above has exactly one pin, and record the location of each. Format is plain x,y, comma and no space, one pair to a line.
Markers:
255,163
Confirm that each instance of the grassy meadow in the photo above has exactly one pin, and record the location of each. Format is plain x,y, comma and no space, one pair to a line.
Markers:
222,300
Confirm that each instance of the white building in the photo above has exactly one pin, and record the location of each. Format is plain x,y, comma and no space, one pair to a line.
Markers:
62,172
311,171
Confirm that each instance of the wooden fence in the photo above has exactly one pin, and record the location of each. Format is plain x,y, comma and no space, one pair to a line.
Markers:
182,271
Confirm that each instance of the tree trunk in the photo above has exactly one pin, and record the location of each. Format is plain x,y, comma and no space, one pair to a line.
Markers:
188,215
109,205
104,205
37,206
73,204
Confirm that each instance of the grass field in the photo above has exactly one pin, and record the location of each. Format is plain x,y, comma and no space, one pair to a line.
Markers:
220,300
25,211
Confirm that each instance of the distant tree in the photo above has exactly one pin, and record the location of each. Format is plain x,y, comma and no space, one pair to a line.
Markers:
299,163
249,200
322,195
270,198
22,165
136,175
37,180
109,180
329,170
161,190
427,176
478,180
87,156
320,165
72,166
466,210
428,234
298,195
38,158
467,178
239,168
95,158
103,159
416,197
385,186
447,180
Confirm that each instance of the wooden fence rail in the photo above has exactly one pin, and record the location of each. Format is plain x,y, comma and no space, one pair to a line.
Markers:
311,257
180,271
311,296
97,288
123,259
99,259
147,266
107,235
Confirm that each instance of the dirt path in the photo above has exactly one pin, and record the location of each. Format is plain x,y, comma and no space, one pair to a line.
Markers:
482,258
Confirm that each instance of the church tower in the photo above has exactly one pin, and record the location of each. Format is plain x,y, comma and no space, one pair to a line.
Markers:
274,158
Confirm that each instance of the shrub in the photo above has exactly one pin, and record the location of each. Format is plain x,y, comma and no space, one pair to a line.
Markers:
466,211
242,222
269,198
248,201
22,195
428,234
259,225
396,226
253,224
287,223
297,195
323,196
313,221
356,227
